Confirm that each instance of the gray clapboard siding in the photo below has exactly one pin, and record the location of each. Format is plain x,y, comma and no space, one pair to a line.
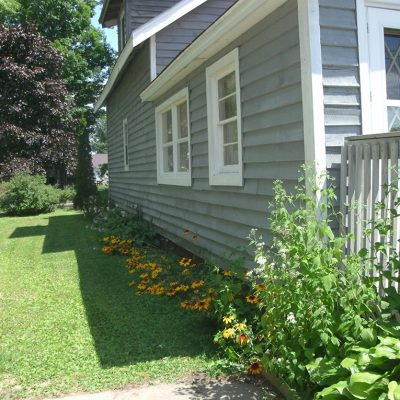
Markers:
174,38
138,12
340,75
273,142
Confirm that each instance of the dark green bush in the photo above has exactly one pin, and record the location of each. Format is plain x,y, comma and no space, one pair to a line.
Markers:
126,226
67,194
29,195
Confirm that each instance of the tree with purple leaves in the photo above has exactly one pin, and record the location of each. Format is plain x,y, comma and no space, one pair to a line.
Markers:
36,118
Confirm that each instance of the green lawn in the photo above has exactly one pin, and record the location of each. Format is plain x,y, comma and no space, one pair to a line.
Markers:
69,322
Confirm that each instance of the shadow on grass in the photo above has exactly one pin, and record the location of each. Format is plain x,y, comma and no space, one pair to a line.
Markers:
126,329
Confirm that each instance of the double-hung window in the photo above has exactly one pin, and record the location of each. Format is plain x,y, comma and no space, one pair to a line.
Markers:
173,140
384,53
224,121
125,142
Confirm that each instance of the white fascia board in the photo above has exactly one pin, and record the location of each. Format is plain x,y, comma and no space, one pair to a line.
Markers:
143,33
312,86
231,25
392,4
118,67
166,18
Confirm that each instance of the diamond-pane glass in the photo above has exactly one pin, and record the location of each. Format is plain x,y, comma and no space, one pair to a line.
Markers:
394,119
392,60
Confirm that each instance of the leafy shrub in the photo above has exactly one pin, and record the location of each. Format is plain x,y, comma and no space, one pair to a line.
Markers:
371,370
367,373
315,303
116,222
67,194
29,195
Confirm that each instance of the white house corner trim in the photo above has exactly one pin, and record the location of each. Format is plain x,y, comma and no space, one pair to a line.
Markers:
312,86
153,58
363,56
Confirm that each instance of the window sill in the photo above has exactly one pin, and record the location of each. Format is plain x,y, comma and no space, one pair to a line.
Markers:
226,179
183,180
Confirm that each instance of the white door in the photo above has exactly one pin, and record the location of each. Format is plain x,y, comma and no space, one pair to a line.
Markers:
384,63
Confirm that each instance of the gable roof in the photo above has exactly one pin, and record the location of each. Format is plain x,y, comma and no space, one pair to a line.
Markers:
140,35
110,11
236,21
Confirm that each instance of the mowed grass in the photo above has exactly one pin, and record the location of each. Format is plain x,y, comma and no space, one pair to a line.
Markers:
70,323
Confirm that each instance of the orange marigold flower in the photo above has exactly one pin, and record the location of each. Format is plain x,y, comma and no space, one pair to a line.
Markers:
197,284
254,368
252,299
182,288
185,304
242,340
171,292
185,262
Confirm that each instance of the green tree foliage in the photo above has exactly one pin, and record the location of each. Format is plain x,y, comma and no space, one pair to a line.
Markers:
87,56
8,9
85,184
36,124
98,139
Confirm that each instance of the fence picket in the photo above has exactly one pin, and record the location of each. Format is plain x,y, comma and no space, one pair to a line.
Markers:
369,164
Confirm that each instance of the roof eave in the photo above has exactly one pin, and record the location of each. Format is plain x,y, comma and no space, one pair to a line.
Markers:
118,68
237,20
143,33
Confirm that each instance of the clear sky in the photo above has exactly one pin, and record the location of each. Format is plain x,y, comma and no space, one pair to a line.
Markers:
111,33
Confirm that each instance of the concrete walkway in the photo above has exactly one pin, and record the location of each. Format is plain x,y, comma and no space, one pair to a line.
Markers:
196,390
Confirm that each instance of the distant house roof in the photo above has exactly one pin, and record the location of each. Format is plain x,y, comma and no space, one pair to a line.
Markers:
99,159
140,35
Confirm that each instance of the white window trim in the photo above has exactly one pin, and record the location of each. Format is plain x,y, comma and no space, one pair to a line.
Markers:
172,178
126,143
373,91
220,175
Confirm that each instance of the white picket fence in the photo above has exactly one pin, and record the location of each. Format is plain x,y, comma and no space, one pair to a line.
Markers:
369,164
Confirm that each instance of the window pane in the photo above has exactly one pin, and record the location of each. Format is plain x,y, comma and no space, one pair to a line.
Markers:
227,108
230,132
226,85
182,120
394,119
168,159
167,126
183,157
231,154
392,59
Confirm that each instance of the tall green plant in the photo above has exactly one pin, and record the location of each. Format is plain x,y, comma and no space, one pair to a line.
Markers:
314,305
